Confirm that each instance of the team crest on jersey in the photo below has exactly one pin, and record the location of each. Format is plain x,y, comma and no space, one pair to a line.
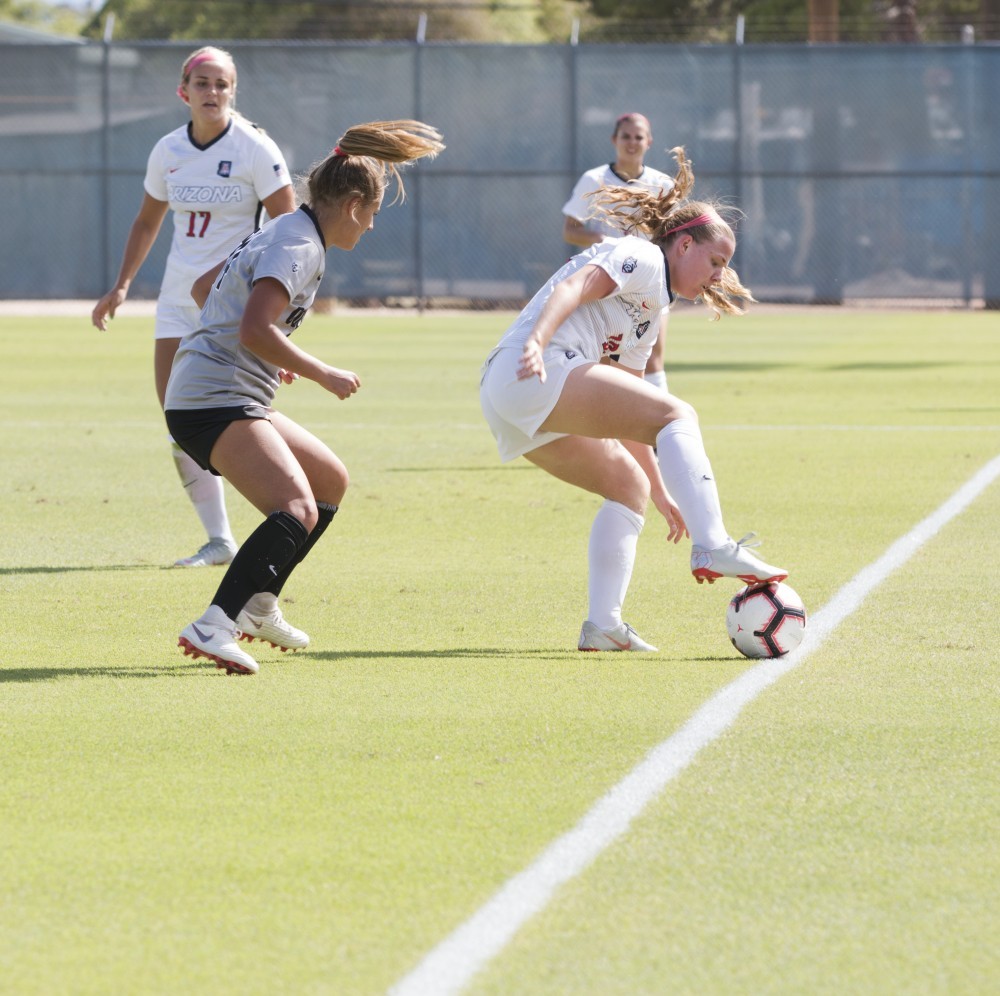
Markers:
642,330
629,265
225,167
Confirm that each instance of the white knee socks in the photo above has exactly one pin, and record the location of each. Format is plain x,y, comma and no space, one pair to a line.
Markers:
206,494
688,476
611,555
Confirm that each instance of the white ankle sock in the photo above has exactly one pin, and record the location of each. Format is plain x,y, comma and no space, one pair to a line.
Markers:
611,556
261,604
206,494
687,473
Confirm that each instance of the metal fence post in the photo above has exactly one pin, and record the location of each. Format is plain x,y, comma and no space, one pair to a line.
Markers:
106,153
418,226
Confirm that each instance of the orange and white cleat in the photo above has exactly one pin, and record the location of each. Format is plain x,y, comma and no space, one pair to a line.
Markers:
733,560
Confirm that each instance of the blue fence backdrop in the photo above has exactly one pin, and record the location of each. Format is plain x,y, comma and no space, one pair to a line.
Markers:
865,172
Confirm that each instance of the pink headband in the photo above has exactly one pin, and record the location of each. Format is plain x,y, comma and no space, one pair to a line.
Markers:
337,151
702,219
196,61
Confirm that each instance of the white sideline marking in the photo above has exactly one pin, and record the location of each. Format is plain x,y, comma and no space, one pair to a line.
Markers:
453,963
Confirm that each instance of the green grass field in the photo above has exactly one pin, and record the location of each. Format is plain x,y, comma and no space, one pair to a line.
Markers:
320,827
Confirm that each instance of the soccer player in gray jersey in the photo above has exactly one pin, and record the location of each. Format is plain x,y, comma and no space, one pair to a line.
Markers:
225,376
550,394
213,174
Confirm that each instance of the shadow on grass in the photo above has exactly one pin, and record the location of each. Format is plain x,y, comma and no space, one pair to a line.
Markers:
561,654
172,670
716,660
85,569
188,669
543,654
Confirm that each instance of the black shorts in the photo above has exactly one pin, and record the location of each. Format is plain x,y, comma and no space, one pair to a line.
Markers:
197,430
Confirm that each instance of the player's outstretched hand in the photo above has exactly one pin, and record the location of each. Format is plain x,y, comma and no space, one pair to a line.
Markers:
343,383
106,308
678,528
287,377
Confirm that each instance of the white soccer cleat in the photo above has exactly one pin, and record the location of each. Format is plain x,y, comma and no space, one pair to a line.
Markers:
733,560
215,552
214,636
621,638
260,621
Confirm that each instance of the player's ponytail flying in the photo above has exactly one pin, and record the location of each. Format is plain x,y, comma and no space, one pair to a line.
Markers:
365,157
665,217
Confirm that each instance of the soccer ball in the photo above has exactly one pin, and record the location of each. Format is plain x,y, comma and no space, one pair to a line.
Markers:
766,620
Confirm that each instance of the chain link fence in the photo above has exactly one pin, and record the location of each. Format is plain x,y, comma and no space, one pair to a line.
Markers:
866,173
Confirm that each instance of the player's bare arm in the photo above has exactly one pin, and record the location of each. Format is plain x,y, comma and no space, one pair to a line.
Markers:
576,233
280,202
141,237
201,288
589,284
260,334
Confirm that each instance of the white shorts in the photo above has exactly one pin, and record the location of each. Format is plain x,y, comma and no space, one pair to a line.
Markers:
516,408
174,321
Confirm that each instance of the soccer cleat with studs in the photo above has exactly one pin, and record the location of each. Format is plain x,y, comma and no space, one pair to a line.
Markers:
216,552
733,560
261,621
622,637
214,636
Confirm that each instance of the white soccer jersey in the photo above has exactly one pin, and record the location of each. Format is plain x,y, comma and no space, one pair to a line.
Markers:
626,323
212,369
214,192
581,207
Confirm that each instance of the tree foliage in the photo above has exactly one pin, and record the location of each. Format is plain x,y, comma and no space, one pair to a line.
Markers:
366,20
39,15
788,20
498,21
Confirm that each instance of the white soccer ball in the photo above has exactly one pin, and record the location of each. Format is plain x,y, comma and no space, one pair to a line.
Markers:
766,620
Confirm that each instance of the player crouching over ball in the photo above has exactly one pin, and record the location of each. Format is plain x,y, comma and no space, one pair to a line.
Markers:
564,389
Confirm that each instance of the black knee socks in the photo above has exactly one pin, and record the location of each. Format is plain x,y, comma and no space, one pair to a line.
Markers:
325,517
263,558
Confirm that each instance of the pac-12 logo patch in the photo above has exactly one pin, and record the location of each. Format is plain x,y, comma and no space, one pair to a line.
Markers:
225,167
629,265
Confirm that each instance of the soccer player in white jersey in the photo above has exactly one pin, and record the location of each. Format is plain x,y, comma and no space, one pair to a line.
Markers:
219,397
549,394
214,174
583,225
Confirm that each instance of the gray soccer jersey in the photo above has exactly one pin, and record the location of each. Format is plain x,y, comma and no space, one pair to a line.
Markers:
212,369
214,193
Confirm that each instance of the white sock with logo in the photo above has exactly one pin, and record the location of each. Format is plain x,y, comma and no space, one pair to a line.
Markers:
687,473
206,494
611,556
